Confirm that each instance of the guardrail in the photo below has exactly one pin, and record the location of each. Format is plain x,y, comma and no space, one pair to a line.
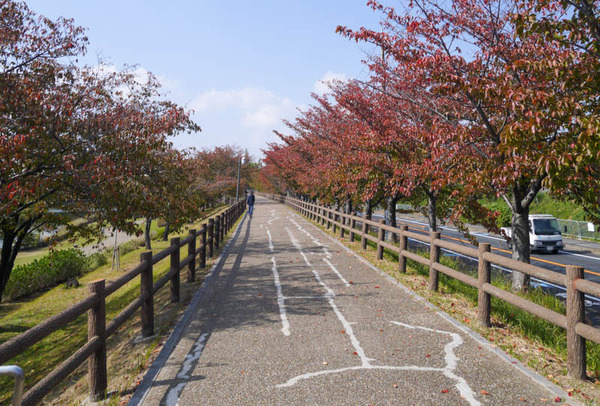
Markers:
211,234
17,373
577,330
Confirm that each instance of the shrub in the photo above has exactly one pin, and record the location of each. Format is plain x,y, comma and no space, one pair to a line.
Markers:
504,212
129,246
44,273
97,259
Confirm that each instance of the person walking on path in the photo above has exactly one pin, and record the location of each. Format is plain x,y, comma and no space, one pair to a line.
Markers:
250,203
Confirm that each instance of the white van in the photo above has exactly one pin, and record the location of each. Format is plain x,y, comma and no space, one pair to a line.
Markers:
544,233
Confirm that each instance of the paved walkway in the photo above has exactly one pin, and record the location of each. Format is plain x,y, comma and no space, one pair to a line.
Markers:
291,317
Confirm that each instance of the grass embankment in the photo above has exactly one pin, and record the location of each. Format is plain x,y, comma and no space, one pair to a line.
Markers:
535,342
126,359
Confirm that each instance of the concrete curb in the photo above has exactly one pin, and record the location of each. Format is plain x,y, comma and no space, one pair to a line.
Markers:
476,336
144,387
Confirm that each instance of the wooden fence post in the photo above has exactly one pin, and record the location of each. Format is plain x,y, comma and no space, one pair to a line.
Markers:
147,310
364,231
191,276
352,226
335,218
403,245
434,257
202,263
223,229
211,231
576,357
175,279
328,218
97,374
484,276
217,233
380,237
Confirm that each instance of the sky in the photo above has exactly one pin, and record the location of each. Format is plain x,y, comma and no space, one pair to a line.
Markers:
242,65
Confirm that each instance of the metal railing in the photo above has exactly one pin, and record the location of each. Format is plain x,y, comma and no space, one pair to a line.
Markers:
17,373
579,229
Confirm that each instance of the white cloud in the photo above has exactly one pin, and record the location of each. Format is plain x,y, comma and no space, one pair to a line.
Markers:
246,98
245,117
321,86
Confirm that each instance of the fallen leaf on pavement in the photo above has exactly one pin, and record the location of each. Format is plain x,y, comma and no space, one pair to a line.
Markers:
484,392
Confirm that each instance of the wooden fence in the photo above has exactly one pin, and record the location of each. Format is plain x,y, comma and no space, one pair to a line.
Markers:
577,330
211,235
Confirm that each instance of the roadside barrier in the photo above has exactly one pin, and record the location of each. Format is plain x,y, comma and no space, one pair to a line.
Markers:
98,329
573,322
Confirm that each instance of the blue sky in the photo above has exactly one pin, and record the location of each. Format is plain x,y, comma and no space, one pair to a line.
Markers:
243,66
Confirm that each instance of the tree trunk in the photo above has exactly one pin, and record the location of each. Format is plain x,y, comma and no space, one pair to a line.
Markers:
12,239
147,233
431,211
520,244
349,206
6,265
348,209
369,209
390,216
166,232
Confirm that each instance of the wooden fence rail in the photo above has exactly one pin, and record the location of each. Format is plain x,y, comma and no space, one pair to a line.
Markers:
576,286
95,305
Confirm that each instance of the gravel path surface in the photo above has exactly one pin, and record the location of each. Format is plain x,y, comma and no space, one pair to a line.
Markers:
294,318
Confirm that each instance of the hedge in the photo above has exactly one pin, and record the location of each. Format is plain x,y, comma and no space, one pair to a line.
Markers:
45,273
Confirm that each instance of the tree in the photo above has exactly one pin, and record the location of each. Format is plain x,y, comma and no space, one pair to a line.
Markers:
574,27
503,101
72,140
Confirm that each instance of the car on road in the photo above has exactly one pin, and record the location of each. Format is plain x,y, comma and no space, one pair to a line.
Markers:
544,234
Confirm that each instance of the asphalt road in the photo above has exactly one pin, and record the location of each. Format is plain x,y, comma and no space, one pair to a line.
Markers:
292,317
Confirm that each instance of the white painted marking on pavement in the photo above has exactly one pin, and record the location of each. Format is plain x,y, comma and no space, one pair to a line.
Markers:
174,393
194,356
581,255
347,326
451,361
334,269
273,217
280,300
270,241
313,238
297,245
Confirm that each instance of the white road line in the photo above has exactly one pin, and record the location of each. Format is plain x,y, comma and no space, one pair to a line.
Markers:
314,239
451,361
270,241
347,326
297,245
174,393
280,300
580,255
273,217
305,297
194,356
334,269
